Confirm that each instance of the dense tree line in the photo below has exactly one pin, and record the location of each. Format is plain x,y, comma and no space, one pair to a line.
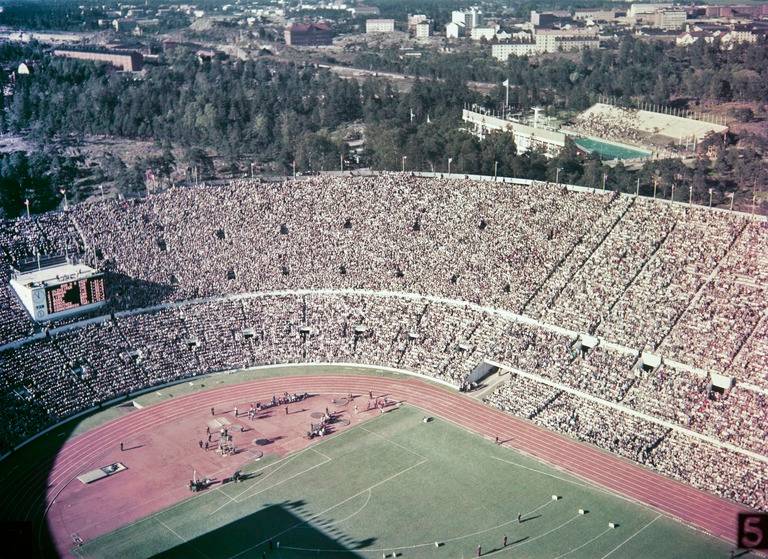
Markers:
636,70
277,114
36,177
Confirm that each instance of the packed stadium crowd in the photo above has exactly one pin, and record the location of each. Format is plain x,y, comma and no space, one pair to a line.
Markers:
633,270
79,367
182,267
720,471
621,126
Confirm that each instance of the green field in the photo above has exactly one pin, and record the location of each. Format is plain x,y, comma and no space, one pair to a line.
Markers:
397,484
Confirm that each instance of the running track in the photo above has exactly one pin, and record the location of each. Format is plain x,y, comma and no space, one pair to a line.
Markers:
696,508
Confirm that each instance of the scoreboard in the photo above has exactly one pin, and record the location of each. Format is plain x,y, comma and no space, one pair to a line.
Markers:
74,294
54,292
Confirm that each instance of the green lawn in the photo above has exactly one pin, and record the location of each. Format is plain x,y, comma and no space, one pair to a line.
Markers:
397,484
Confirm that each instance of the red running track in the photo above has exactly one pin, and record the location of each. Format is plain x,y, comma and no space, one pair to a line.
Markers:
696,508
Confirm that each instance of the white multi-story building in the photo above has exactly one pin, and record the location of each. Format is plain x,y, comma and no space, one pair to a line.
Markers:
454,30
557,40
669,19
379,25
422,30
645,13
638,10
594,15
469,18
502,51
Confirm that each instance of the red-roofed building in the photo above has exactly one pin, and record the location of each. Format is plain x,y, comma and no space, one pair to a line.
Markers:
308,34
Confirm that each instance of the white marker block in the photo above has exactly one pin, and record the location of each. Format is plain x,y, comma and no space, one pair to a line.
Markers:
555,497
611,525
581,511
437,544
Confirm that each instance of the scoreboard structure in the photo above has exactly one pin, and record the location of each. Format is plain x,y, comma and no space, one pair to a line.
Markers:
59,291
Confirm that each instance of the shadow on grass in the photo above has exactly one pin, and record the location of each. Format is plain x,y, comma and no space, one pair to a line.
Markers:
280,530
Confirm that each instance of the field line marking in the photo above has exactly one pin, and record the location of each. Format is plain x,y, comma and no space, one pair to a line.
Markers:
630,537
483,531
321,454
316,515
358,511
586,543
283,462
533,539
405,448
573,481
175,533
237,498
279,483
218,490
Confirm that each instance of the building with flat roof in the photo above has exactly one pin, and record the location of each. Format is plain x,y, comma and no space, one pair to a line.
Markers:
502,51
422,30
470,18
526,137
670,19
128,61
562,40
379,25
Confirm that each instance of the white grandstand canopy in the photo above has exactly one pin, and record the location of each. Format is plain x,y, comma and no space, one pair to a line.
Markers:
671,126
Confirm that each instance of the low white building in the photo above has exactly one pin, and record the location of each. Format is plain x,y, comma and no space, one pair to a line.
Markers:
480,33
526,137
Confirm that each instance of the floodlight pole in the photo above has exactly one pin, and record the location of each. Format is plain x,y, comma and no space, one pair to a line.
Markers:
450,159
754,196
101,187
690,195
403,162
495,170
557,175
673,192
637,187
605,176
710,197
655,182
66,202
732,195
26,203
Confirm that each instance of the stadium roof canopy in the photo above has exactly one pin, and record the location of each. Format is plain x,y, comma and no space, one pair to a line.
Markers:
649,122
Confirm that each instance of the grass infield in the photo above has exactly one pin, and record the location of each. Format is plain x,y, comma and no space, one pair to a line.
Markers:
398,485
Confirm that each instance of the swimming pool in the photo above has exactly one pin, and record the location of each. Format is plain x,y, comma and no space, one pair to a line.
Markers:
609,150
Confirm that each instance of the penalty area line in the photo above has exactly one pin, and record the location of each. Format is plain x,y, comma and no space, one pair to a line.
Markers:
611,552
175,533
321,513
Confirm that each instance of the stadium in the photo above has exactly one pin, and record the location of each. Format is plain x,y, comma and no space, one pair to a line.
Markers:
390,365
